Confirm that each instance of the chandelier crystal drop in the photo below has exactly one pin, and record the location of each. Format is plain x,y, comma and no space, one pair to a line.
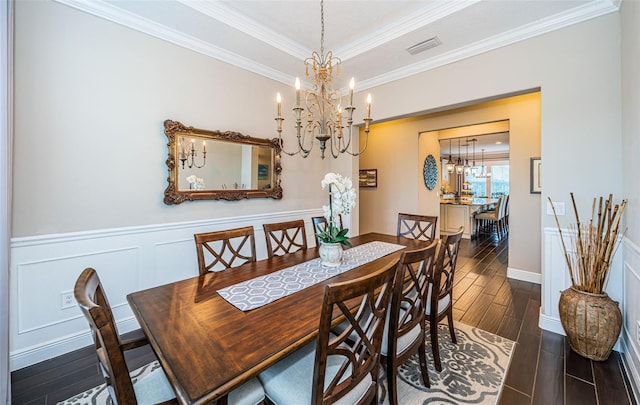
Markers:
319,112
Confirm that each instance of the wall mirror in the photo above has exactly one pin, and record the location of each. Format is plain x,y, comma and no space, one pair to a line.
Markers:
214,165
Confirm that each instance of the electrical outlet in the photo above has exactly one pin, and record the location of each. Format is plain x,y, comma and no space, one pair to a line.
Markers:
67,300
559,206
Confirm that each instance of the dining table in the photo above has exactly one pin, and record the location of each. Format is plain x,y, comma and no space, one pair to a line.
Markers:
207,347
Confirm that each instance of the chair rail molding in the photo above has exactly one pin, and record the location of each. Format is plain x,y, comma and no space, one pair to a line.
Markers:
44,268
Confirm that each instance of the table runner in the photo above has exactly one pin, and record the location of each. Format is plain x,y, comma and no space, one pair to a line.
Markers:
262,290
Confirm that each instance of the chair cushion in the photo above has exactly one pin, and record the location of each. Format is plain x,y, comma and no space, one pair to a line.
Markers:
289,381
403,342
153,388
249,393
443,303
491,215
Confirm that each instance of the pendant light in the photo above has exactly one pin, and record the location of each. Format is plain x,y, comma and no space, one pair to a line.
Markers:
474,169
459,165
467,168
450,166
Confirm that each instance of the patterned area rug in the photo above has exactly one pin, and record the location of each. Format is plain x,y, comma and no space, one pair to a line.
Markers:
472,372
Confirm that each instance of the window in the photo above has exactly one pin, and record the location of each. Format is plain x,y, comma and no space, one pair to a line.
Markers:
478,185
499,180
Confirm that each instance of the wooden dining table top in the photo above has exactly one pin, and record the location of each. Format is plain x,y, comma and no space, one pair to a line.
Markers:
207,347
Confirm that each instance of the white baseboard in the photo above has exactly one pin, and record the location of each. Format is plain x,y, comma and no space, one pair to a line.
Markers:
523,275
630,365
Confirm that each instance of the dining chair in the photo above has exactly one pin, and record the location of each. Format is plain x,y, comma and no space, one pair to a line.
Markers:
440,301
320,224
285,237
93,303
332,369
494,219
416,226
405,331
221,250
154,388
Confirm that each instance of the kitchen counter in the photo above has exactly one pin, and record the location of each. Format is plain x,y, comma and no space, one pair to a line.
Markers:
469,201
455,213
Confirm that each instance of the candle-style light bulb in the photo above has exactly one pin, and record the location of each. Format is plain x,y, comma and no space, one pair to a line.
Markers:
352,84
297,92
369,106
204,146
279,101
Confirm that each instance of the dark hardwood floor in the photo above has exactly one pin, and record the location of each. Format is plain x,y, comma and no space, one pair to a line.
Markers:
543,369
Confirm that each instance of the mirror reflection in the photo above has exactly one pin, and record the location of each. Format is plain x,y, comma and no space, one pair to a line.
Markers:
222,165
206,164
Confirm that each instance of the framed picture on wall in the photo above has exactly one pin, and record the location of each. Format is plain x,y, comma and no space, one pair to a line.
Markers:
368,178
536,175
263,172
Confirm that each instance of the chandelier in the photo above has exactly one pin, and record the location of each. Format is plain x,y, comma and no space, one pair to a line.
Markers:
482,173
189,151
322,112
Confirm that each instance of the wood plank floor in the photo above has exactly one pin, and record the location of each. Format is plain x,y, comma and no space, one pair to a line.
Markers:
543,369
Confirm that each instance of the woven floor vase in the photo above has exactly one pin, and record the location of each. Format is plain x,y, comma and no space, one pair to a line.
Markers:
592,322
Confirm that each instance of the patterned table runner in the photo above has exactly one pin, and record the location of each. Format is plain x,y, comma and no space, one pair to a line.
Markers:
262,290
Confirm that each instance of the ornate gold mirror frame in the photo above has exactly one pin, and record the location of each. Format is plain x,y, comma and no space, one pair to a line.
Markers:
214,165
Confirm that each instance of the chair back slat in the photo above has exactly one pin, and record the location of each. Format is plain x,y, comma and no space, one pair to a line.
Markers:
360,356
444,269
285,237
411,291
225,249
416,226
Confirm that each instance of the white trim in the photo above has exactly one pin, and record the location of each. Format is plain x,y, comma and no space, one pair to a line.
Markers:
551,324
132,230
524,275
630,365
6,147
162,256
112,13
25,357
251,27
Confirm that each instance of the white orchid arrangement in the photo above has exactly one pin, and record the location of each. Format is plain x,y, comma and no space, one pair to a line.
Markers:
342,198
195,183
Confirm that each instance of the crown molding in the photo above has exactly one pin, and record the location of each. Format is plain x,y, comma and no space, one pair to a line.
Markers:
556,22
109,12
114,14
400,27
232,18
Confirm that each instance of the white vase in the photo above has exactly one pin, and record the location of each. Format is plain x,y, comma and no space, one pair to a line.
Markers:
330,254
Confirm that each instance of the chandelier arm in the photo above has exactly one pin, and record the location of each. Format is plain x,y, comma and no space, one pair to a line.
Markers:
366,140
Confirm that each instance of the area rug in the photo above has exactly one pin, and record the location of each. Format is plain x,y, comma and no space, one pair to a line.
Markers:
473,372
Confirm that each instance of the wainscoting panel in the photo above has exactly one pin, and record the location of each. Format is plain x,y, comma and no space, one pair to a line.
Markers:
127,260
555,278
630,332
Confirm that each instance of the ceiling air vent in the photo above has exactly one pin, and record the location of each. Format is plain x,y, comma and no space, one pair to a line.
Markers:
424,45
